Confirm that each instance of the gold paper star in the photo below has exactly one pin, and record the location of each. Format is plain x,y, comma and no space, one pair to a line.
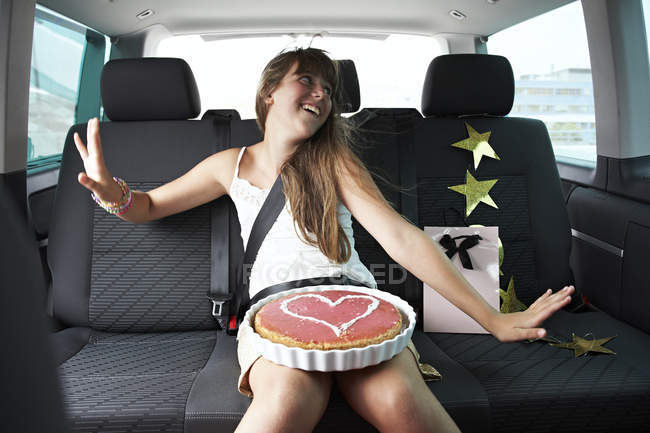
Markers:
510,302
477,144
429,373
581,346
475,191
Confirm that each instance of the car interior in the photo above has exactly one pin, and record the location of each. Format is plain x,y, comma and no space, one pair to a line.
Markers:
109,325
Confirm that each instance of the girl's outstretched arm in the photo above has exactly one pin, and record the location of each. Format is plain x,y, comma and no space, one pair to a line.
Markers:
419,254
206,181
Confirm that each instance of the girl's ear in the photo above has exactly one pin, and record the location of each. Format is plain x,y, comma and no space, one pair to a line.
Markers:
269,99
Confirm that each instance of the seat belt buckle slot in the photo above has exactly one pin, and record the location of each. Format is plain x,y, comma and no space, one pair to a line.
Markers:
218,302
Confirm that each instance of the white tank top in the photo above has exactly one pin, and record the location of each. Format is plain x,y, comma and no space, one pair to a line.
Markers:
284,255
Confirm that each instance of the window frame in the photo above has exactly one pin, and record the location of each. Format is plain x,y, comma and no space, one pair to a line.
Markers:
561,89
88,98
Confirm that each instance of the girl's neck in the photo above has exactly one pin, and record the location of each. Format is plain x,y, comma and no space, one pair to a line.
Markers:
276,150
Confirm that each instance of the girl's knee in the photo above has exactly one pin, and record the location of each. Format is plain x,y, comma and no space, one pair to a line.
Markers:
399,397
411,406
285,399
405,397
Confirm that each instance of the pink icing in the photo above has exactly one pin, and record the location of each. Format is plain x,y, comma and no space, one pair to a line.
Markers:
383,318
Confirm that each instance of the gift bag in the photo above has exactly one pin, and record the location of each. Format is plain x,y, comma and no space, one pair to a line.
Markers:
475,252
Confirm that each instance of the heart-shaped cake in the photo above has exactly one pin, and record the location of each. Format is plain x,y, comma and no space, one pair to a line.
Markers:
330,319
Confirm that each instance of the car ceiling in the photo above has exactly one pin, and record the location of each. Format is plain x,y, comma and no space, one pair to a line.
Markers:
428,17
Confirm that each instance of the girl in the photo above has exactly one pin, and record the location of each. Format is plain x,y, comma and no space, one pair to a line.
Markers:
306,142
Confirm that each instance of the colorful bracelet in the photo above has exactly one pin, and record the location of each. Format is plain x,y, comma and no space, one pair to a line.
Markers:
116,207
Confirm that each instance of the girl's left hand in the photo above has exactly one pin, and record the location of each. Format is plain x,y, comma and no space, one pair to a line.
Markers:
523,325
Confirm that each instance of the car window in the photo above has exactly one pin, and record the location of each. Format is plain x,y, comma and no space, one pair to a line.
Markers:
61,51
553,79
227,78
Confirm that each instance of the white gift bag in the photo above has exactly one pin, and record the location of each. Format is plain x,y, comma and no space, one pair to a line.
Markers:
439,314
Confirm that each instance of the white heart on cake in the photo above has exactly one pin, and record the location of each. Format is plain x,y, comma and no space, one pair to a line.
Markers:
338,330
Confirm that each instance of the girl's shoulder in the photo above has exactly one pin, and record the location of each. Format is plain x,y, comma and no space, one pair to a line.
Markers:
222,166
227,159
254,169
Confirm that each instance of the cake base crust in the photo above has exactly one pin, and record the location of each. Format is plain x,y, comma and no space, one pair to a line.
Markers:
328,320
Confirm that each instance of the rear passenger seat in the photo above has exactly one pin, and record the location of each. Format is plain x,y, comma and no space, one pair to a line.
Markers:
142,352
531,386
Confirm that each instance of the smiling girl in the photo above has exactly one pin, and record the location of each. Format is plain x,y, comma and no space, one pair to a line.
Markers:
306,143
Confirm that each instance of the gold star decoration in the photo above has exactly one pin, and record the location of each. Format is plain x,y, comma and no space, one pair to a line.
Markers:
477,144
581,346
475,192
510,302
429,373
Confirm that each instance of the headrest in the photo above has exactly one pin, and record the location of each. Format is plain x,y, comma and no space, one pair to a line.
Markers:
459,84
348,96
149,89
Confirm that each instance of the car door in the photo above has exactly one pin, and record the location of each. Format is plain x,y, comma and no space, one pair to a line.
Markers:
587,78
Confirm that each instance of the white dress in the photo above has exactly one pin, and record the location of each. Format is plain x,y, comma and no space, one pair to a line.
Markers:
285,256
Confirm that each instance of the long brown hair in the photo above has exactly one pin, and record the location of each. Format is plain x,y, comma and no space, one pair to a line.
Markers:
309,175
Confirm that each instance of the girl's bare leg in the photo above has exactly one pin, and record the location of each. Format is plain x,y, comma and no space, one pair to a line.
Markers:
393,397
286,400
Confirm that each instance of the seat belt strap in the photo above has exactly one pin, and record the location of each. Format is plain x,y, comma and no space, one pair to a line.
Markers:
219,292
264,220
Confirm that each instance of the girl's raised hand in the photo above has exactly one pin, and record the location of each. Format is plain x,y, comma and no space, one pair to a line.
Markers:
523,325
96,178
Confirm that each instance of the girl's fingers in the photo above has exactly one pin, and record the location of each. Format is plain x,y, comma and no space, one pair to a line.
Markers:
550,299
83,152
94,143
518,334
541,299
551,308
86,181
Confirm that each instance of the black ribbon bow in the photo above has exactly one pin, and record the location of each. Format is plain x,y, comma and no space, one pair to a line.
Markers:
449,244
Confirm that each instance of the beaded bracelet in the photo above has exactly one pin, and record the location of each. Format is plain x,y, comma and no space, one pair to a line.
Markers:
116,207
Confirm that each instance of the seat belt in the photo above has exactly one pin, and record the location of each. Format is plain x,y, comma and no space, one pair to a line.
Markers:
226,303
219,292
265,219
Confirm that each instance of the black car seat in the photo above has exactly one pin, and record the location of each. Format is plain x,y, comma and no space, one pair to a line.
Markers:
531,386
141,351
